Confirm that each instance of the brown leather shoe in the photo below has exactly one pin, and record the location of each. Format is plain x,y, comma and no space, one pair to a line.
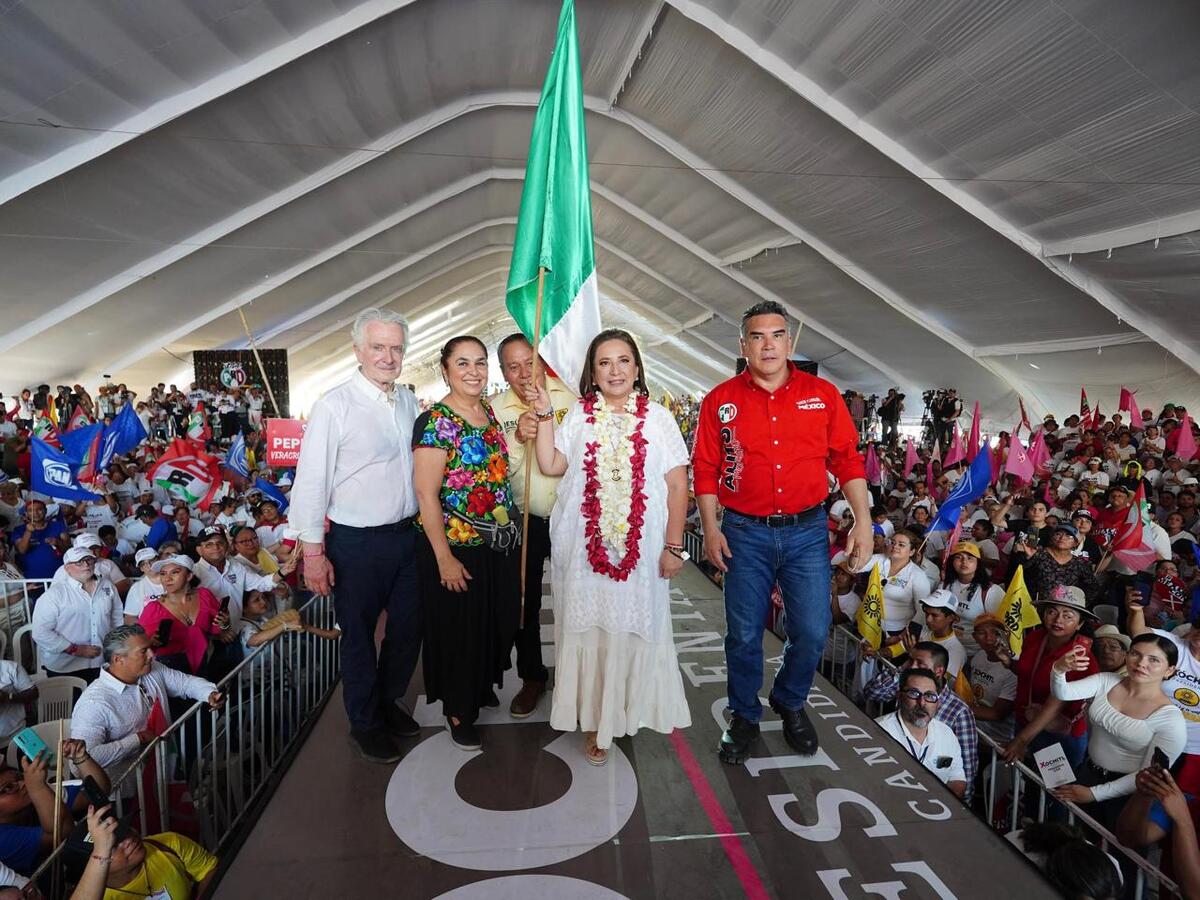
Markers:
526,700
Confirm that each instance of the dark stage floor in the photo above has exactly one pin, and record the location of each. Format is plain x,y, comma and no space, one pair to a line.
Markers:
528,818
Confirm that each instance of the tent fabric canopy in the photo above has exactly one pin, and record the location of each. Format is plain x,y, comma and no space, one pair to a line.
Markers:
1003,198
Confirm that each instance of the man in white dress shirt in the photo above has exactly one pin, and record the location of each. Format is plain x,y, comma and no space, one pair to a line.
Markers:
112,715
914,727
356,469
72,617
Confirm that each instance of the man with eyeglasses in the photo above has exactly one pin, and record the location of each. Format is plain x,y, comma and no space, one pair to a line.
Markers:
72,617
914,727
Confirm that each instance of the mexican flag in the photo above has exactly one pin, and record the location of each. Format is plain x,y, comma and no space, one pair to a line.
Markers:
554,228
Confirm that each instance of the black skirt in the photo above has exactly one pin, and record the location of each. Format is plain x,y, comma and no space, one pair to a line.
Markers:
468,636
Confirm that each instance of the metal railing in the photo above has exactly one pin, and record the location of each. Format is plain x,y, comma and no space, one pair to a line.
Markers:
204,775
16,606
1026,796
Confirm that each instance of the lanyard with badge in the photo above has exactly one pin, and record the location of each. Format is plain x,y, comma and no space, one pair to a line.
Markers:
912,748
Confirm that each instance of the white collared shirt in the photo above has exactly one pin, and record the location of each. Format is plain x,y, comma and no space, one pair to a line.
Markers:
67,615
356,463
110,713
939,752
233,583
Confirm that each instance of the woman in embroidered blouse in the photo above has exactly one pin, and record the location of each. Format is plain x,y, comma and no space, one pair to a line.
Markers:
470,593
1130,716
905,584
616,531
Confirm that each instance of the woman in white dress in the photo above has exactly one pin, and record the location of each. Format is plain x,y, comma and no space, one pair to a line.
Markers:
616,531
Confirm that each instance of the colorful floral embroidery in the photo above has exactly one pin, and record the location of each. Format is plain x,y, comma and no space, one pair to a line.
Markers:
475,480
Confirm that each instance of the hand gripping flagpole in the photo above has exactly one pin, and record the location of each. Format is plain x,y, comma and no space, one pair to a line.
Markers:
537,339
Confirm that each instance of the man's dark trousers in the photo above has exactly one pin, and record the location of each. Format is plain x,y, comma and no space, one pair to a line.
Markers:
375,570
529,637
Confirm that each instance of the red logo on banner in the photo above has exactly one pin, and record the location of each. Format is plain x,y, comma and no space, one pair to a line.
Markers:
283,442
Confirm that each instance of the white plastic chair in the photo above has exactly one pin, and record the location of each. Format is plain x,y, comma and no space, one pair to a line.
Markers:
1107,613
25,650
48,732
57,696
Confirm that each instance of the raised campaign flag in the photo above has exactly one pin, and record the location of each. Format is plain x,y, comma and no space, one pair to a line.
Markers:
121,435
969,489
52,473
188,474
554,228
83,447
271,492
235,457
1017,611
869,618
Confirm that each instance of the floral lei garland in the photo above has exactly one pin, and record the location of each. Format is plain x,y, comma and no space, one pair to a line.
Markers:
614,510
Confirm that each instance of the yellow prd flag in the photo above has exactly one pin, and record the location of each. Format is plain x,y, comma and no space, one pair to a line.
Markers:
1017,611
962,687
869,618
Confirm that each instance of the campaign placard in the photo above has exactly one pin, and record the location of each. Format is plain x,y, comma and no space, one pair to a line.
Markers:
283,442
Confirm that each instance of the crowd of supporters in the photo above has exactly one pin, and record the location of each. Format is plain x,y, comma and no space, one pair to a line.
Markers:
136,588
1111,675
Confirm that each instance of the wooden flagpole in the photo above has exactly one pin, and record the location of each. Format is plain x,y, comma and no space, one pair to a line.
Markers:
537,339
261,370
58,769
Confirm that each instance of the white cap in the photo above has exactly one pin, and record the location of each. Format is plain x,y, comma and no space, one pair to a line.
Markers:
76,554
168,509
87,539
144,555
941,599
178,560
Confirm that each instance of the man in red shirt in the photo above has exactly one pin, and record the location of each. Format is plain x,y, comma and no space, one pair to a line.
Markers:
764,441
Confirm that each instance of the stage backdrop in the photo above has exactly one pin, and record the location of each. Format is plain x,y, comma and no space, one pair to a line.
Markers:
238,368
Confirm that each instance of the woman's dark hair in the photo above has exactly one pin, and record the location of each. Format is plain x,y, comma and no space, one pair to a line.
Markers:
1046,837
1165,644
913,538
981,582
1082,871
587,381
448,349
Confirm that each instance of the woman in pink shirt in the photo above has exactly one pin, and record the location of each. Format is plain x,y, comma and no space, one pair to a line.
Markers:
193,612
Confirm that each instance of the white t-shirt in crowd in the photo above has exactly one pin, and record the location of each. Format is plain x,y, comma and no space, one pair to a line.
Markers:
13,680
972,603
1184,689
958,655
902,593
141,592
992,681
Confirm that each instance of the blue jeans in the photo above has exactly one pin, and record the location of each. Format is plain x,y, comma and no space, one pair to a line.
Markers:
797,557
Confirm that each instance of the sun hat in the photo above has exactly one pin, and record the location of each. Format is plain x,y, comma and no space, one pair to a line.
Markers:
1111,631
1069,597
177,560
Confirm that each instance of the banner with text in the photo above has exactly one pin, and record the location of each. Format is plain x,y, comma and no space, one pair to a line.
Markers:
283,442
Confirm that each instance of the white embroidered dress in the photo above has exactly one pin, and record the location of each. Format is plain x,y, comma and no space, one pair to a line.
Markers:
616,668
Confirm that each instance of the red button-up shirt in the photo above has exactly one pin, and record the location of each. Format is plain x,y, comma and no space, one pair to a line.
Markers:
764,452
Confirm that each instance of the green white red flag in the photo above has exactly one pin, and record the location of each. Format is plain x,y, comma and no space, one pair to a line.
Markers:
554,228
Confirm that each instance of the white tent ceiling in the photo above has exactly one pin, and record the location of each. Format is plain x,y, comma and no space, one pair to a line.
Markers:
1002,197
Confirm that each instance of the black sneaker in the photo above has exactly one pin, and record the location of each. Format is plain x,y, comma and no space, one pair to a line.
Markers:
464,735
399,723
737,741
375,746
798,731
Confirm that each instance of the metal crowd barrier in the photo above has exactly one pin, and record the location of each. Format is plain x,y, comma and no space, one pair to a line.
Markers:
16,607
1013,793
205,774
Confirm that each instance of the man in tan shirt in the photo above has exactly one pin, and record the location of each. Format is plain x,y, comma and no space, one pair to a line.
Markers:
517,419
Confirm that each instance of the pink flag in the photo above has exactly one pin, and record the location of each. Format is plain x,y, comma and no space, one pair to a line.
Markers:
910,458
1039,454
1018,464
1123,403
929,482
957,452
1186,448
973,440
874,474
1024,417
997,461
1135,415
